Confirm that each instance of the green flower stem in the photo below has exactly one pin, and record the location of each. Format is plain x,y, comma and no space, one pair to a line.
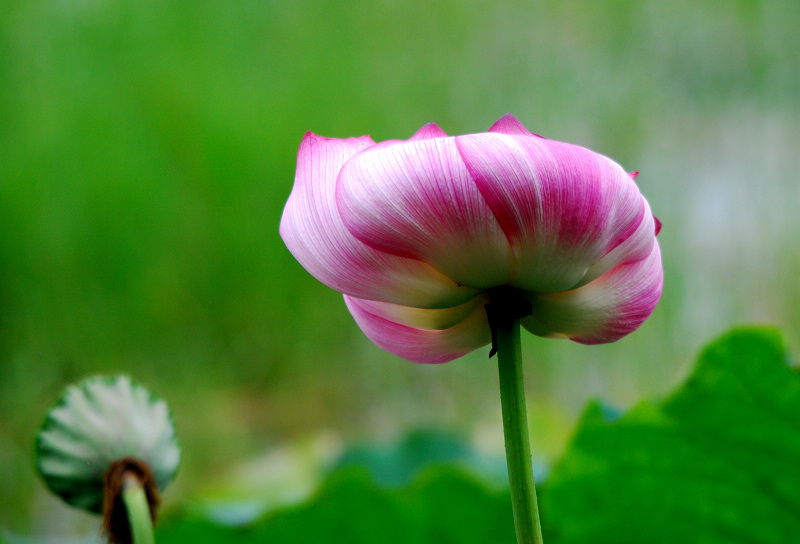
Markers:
515,429
138,509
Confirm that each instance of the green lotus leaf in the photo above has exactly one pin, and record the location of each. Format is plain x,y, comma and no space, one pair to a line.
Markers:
716,462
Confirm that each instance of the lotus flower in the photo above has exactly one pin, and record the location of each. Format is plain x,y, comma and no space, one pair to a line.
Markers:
418,234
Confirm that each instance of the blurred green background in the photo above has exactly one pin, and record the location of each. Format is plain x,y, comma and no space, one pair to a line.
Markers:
147,149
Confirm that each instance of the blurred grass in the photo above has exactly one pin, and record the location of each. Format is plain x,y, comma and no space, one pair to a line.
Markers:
147,149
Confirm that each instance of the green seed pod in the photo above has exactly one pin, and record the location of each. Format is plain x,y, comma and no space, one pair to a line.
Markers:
96,423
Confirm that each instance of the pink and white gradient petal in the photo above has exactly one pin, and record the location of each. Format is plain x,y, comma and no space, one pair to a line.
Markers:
417,344
417,200
508,124
428,132
605,310
423,318
315,234
635,247
562,206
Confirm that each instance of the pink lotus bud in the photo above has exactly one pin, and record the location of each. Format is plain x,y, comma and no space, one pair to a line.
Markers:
415,233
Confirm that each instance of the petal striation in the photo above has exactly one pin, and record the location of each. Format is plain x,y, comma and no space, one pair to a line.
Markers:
604,310
315,234
562,207
417,200
404,333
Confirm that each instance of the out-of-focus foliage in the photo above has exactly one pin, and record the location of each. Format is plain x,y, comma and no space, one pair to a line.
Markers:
146,151
398,464
716,462
441,506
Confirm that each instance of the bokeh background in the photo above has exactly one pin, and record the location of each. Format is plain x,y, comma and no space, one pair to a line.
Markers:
147,149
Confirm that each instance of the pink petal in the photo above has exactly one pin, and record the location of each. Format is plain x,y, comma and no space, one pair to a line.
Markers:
563,207
635,247
417,200
313,231
423,318
604,310
508,124
407,332
429,131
